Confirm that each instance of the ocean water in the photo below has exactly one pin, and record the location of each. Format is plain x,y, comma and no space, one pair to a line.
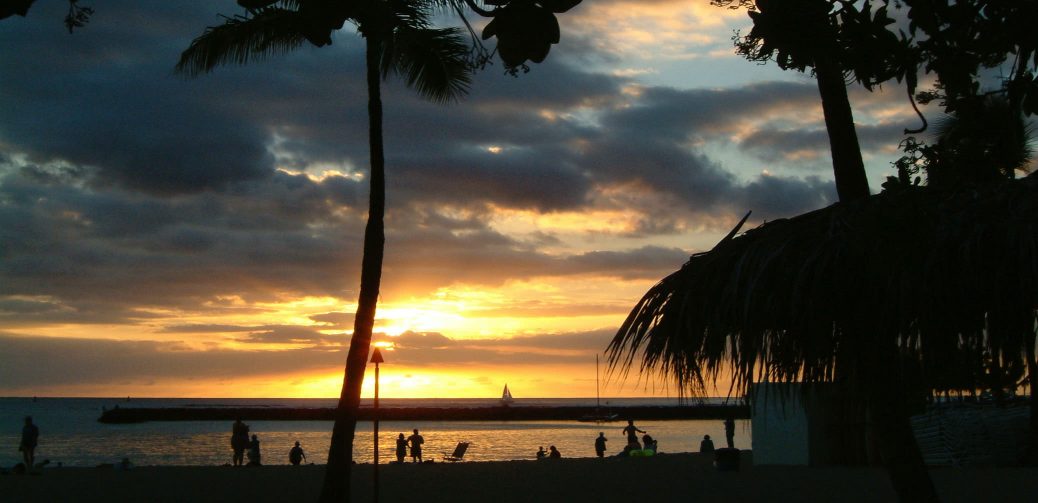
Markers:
71,435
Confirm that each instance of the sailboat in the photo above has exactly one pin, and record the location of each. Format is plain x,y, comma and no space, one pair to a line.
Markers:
506,397
599,416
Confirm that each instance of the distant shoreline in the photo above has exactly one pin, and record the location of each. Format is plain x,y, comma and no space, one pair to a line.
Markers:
122,415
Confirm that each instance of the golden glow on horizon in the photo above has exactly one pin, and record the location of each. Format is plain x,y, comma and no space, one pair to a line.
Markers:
433,317
518,222
469,381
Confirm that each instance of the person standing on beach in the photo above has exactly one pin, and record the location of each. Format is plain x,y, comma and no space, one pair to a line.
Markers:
729,431
401,448
632,432
600,442
416,442
30,437
239,441
296,455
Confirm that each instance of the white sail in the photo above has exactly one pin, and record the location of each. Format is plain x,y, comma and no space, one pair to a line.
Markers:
506,396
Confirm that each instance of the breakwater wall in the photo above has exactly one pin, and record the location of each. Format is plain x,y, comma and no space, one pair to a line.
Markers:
141,414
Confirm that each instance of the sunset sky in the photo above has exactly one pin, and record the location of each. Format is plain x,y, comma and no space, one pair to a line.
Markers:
161,236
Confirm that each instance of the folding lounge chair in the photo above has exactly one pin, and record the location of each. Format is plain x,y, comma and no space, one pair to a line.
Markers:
459,452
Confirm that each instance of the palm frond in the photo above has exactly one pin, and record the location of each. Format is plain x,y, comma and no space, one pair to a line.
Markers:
269,31
444,6
433,62
415,14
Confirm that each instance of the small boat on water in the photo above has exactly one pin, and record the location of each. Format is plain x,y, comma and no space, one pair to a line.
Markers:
599,416
506,397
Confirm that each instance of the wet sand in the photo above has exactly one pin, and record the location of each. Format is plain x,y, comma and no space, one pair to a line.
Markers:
664,478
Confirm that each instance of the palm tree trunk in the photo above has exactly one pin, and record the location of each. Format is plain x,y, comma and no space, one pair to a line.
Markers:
889,421
336,486
1031,456
848,168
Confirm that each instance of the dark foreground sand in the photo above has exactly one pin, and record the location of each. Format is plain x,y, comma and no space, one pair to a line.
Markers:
664,478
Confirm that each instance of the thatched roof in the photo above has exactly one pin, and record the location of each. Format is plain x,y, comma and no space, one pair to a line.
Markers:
951,275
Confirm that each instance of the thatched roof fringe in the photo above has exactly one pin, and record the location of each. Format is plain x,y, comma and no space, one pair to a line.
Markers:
950,275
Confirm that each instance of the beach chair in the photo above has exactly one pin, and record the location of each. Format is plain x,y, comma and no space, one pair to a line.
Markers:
459,452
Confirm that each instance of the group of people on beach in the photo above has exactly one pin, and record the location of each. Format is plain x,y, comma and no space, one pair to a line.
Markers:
415,442
246,447
634,447
646,446
707,445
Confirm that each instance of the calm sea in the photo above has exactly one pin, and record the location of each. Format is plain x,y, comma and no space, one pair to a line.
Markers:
70,433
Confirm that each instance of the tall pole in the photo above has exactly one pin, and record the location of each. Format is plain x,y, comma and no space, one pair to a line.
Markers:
376,358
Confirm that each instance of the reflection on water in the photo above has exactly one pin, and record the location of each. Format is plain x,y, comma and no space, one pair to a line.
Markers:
70,434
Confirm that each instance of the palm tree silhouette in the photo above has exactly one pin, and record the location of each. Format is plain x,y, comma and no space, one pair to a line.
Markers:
399,39
833,38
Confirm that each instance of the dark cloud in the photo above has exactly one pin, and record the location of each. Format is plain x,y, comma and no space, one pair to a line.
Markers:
634,264
204,329
123,185
772,196
419,341
288,334
99,362
548,310
432,349
105,99
267,334
27,361
335,319
810,146
82,248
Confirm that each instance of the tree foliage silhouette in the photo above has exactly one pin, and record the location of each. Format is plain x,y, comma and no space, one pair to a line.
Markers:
77,17
966,45
832,38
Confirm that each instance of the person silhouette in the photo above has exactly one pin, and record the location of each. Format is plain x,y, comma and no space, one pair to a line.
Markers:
554,453
649,443
30,438
600,444
729,431
401,448
541,453
296,455
239,441
254,452
416,442
706,445
632,432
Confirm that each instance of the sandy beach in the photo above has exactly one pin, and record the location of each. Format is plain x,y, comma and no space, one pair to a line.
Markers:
674,477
